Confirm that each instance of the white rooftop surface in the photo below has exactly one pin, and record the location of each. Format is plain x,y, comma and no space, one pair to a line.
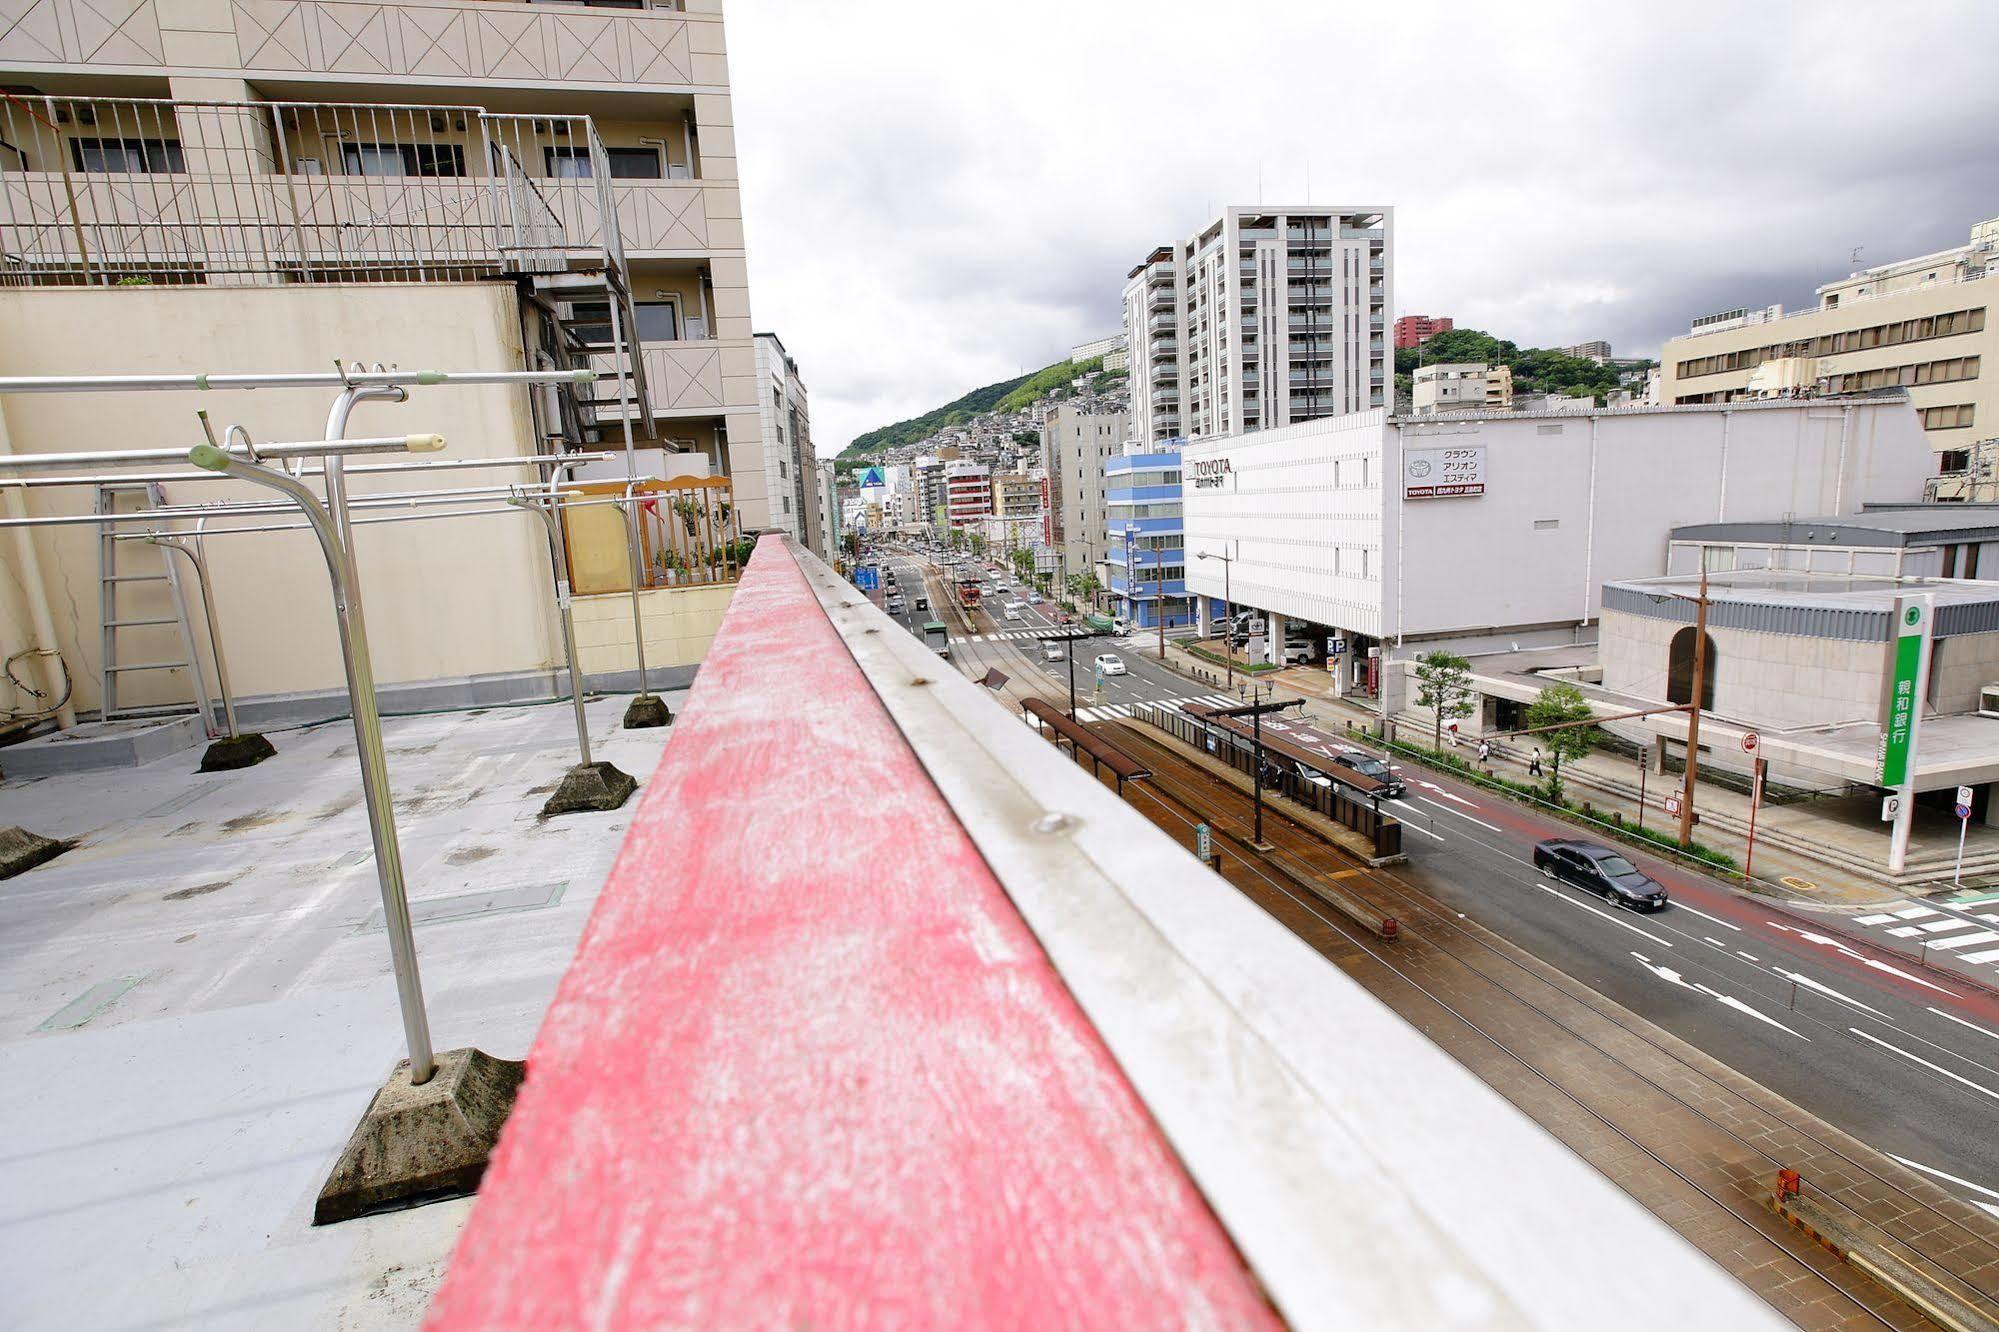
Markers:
196,1006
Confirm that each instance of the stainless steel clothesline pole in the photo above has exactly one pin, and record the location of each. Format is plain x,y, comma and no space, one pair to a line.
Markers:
419,465
28,462
309,379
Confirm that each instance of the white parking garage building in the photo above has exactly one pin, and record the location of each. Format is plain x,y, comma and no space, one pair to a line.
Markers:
1484,531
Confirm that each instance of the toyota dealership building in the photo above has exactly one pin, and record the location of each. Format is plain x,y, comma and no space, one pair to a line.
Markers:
1387,537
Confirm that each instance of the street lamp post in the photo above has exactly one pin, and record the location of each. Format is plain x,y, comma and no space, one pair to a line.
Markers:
1228,631
1130,587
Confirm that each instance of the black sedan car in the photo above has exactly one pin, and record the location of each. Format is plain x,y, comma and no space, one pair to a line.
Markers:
1367,765
1599,870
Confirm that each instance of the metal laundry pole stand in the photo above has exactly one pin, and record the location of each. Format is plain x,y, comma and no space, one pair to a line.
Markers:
648,709
234,749
589,785
367,738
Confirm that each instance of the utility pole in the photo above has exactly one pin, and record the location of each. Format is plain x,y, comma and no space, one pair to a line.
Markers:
1254,709
1228,600
1159,589
1069,637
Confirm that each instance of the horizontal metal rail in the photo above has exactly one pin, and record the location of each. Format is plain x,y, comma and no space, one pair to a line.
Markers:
305,379
313,448
359,469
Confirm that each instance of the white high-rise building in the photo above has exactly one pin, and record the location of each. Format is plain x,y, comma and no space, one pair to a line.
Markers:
1265,316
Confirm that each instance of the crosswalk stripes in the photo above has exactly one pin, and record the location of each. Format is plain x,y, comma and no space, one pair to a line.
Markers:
1112,711
1939,932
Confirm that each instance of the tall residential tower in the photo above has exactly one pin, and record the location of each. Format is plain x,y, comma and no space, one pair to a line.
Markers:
1263,317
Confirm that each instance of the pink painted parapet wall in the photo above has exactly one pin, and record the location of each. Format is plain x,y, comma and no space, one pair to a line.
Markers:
809,1067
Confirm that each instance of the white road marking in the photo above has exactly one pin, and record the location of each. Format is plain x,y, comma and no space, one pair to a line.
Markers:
1560,896
1810,937
1682,906
1461,814
1952,1017
1872,920
1673,977
1963,940
1992,956
1905,931
1416,828
1751,956
1716,942
1810,984
1932,1170
1914,913
1937,1068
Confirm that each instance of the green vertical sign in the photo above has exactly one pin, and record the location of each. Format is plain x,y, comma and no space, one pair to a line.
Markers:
1898,730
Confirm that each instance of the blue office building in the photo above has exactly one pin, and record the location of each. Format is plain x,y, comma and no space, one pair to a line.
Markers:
1148,577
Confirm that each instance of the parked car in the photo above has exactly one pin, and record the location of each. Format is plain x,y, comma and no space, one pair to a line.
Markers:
1367,765
1109,663
1598,869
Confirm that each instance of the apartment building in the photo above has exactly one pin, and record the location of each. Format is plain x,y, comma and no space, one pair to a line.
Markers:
1919,324
1461,385
1075,444
968,493
1263,317
1111,349
581,154
1413,330
1145,561
1598,351
788,459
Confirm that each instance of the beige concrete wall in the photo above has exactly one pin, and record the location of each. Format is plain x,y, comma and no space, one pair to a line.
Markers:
679,622
444,598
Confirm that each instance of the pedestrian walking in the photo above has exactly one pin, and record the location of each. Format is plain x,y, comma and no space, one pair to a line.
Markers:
1534,764
1484,751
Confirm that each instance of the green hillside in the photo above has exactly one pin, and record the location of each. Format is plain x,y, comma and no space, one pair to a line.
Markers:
951,413
1010,395
1535,369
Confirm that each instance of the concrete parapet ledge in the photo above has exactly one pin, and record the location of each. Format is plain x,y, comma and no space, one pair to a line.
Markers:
590,787
21,851
423,1143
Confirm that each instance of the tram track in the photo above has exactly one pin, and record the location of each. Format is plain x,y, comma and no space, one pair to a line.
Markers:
1433,941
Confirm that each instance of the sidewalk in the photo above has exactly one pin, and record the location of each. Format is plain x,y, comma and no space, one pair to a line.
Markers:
1821,851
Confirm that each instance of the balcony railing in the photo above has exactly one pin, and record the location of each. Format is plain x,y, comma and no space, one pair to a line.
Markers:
155,191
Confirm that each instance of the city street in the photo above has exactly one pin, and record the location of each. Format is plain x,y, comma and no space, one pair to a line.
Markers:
1904,1058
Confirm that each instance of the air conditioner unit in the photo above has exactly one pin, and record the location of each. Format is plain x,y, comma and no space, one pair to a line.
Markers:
1988,700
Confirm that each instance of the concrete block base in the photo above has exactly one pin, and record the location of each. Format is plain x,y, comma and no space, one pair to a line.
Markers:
647,711
590,787
236,751
419,1144
21,851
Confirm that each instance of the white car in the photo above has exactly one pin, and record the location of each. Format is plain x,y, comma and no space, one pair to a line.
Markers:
1054,651
1109,663
1014,609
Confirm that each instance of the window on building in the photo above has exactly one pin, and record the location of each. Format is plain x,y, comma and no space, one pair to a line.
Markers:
1954,417
129,156
1680,670
572,162
402,159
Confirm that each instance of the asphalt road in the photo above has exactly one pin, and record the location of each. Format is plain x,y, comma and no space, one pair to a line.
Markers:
1905,1059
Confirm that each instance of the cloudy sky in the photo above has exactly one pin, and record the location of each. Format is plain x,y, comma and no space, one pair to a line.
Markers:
941,194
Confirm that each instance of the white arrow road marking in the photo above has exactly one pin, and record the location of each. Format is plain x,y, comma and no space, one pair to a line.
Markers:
1682,906
1622,924
1811,984
1986,1031
1824,942
1980,1088
1448,795
1461,814
1673,977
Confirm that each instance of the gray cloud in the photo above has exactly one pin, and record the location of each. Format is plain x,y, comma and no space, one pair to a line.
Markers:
938,195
